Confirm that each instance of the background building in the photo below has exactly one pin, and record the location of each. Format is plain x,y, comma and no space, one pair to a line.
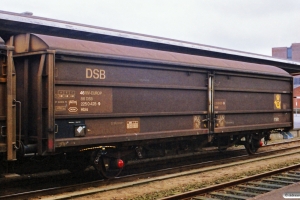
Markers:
291,53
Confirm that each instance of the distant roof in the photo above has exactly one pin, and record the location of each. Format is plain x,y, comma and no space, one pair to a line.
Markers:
14,23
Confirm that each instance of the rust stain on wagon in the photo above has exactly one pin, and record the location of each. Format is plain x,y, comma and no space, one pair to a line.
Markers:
197,121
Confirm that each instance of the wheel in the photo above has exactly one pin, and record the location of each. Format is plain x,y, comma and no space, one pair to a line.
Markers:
76,167
252,144
108,167
76,163
222,149
222,142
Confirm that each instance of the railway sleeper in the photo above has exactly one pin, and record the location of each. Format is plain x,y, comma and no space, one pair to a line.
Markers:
285,178
279,181
255,188
292,175
230,196
267,185
203,198
239,192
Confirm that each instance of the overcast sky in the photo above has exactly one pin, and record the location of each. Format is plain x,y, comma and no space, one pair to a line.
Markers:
248,25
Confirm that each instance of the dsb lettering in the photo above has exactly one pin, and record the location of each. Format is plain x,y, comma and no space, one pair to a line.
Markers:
95,73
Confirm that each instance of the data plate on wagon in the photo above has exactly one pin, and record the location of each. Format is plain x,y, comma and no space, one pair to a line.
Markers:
82,100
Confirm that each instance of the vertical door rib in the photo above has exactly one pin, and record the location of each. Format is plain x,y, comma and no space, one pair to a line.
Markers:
210,107
11,108
40,104
50,101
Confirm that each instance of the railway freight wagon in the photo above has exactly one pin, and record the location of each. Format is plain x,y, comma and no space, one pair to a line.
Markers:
8,102
115,103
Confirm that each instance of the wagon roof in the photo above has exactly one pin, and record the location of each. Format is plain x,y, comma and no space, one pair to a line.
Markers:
36,42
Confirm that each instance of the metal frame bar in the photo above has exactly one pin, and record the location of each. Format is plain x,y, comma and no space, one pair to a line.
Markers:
40,104
11,108
50,66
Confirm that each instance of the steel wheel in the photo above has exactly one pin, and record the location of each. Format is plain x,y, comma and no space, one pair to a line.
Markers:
222,149
251,144
76,163
106,168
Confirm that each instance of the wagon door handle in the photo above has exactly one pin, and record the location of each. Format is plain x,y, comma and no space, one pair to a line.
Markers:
56,128
205,120
20,122
3,69
2,131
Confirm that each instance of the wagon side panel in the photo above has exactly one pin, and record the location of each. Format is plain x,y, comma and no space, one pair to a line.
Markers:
247,102
104,101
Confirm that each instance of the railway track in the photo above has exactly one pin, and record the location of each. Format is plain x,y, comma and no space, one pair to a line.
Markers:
245,188
157,175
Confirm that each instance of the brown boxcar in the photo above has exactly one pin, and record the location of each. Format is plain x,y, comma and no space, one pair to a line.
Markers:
85,96
8,144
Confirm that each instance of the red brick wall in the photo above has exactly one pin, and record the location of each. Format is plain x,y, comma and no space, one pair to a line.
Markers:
296,51
279,52
297,93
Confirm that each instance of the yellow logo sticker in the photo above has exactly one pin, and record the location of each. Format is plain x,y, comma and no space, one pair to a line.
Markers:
277,101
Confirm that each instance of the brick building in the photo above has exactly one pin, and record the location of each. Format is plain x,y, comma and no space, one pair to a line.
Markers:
297,94
291,53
